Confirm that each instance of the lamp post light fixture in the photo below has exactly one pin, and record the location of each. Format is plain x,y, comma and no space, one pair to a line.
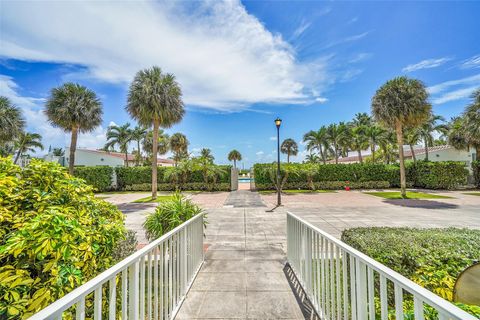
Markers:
278,122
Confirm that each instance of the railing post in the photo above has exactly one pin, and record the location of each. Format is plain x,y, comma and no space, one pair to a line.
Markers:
133,291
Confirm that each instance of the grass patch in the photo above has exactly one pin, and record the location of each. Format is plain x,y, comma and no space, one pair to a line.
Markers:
149,199
410,195
102,197
472,193
294,191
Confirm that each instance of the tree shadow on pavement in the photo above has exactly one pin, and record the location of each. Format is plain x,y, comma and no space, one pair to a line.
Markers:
423,204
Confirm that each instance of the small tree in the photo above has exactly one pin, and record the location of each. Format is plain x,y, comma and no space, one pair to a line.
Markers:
289,147
234,156
121,136
27,142
400,103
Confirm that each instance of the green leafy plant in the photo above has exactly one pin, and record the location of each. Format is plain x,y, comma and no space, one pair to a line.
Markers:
476,172
54,235
99,177
170,214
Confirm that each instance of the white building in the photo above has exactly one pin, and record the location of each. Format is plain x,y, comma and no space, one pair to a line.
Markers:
88,157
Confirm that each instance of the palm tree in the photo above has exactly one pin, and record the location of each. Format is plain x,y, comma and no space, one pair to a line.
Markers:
401,102
318,140
27,142
412,137
362,119
375,135
465,131
179,145
312,158
427,129
289,147
155,99
121,136
359,140
206,154
234,156
336,135
58,152
163,144
138,135
11,120
76,109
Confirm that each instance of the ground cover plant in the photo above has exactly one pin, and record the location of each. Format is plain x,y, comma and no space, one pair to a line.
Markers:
169,214
433,258
409,195
160,198
54,235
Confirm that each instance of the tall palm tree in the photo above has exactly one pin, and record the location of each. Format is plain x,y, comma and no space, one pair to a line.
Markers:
138,135
234,156
312,158
427,129
121,136
359,140
318,140
155,99
58,152
465,130
27,142
76,109
206,153
401,102
11,121
362,119
375,135
289,147
336,135
179,145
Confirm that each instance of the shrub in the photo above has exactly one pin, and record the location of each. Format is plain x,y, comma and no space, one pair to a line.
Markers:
100,177
327,185
476,172
438,175
185,187
170,214
433,258
54,235
126,247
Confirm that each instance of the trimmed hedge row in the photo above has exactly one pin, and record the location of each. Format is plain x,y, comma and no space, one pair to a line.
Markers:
129,176
423,174
476,173
192,186
100,177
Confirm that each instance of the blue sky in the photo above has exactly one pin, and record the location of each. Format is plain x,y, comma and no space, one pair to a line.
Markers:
240,64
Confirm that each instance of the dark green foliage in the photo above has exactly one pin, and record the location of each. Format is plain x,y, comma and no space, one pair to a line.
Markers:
476,172
437,175
125,247
99,177
431,175
170,214
136,178
433,258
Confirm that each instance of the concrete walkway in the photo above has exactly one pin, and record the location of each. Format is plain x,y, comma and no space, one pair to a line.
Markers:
243,276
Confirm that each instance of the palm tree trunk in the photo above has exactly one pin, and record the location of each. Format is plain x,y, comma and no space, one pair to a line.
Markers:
235,163
426,150
335,147
477,151
126,158
403,182
360,156
322,155
73,148
20,147
139,154
288,157
414,157
373,152
154,159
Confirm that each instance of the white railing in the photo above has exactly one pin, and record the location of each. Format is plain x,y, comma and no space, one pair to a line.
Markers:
343,283
149,284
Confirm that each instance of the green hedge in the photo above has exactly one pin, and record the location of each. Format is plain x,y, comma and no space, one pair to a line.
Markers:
476,173
433,258
192,186
134,176
431,175
100,177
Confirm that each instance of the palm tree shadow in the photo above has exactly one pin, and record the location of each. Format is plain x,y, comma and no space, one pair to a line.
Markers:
423,204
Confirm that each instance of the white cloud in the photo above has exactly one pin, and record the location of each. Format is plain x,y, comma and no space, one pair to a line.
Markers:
426,64
260,153
455,95
475,80
224,58
473,62
273,138
321,100
32,110
454,89
301,28
359,57
348,39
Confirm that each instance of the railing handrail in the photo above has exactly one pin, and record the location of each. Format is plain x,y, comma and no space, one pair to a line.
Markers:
70,299
428,296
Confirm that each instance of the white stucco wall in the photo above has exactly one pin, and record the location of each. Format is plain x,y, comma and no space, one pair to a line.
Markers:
449,155
88,158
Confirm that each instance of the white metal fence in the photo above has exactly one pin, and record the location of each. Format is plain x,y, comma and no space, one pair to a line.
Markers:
150,284
343,283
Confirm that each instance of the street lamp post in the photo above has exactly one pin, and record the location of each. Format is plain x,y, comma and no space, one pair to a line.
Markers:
278,122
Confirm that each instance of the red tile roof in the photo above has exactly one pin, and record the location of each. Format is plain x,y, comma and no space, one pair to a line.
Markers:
130,157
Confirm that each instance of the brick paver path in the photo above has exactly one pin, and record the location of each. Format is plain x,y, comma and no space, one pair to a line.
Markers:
243,273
